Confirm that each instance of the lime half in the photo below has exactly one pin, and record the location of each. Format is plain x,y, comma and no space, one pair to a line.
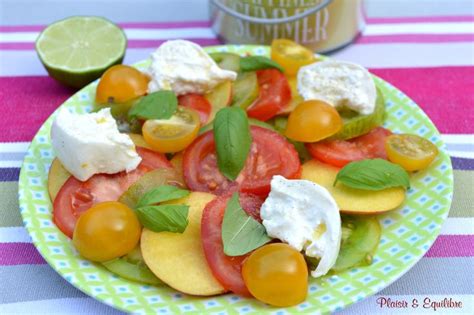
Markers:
77,50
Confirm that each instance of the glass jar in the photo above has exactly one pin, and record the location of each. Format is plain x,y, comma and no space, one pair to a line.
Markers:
321,25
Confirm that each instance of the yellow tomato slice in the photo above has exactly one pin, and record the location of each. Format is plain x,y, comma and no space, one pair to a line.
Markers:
312,121
411,152
174,134
296,98
290,55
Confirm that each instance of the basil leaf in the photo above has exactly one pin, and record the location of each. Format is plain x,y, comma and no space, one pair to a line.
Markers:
160,194
170,218
233,140
156,105
240,232
376,174
253,63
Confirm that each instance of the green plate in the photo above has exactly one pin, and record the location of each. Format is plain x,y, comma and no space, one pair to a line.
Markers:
408,232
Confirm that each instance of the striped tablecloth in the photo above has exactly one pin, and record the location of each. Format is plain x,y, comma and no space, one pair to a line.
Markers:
430,59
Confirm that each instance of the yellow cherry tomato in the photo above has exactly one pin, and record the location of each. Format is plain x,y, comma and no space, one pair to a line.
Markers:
276,274
174,134
121,84
312,121
106,231
411,152
290,55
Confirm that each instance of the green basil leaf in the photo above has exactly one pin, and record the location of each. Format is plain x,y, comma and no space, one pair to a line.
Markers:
169,218
240,232
156,105
233,140
376,174
254,63
160,194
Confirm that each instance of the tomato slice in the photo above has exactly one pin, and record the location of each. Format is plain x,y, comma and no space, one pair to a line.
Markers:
226,269
199,103
270,154
275,94
342,152
174,134
75,197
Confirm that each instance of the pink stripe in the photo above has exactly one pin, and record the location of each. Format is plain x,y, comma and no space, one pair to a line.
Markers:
21,28
415,38
147,25
166,24
452,246
18,46
19,254
131,43
26,103
444,93
424,19
444,246
437,90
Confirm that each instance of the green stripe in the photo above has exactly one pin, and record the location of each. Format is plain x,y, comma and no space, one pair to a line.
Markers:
462,206
9,210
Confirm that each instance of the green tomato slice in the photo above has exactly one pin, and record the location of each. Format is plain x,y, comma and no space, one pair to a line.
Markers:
360,238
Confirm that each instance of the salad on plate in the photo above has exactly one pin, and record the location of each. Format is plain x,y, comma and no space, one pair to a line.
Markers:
215,173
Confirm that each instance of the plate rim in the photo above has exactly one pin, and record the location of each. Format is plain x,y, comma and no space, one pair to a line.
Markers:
373,289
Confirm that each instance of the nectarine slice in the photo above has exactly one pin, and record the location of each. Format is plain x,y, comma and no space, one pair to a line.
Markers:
350,200
57,176
178,259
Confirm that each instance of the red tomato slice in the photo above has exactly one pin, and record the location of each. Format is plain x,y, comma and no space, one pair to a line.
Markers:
275,94
226,269
342,152
75,197
197,102
270,154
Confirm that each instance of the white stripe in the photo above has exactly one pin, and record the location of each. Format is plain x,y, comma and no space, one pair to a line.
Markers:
14,235
420,28
371,305
26,62
458,138
14,146
84,305
206,32
132,34
461,154
171,33
367,306
11,163
458,226
408,55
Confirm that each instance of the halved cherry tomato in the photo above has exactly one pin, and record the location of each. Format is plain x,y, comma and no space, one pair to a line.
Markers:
312,121
290,55
174,134
275,94
121,84
276,274
411,152
106,231
226,269
199,103
341,152
270,154
75,197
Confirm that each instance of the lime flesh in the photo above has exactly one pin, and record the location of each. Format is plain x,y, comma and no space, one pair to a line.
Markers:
77,50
